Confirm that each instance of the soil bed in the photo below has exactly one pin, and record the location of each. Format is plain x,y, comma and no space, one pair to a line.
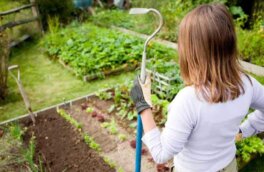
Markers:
61,146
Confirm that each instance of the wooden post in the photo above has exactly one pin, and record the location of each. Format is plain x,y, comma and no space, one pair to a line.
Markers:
4,55
35,12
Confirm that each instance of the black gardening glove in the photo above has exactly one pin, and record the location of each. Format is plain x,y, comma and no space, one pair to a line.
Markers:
141,94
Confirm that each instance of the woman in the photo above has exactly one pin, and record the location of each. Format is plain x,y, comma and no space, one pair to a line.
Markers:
205,116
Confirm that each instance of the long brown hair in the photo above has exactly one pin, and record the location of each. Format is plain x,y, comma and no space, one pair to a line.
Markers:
208,53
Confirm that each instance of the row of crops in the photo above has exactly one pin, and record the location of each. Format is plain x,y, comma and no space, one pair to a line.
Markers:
89,49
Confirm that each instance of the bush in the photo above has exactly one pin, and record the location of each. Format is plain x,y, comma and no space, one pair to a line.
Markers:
251,46
51,8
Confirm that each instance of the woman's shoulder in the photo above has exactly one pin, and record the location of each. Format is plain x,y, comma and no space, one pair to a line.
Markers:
185,95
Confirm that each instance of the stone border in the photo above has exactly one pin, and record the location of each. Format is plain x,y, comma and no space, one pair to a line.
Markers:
252,68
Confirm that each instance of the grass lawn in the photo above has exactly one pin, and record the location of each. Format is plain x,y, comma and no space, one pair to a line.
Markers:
47,82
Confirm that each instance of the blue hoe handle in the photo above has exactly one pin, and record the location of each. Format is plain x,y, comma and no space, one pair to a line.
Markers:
138,144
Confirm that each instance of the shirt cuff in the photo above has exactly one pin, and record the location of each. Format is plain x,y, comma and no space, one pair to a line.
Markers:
150,137
247,129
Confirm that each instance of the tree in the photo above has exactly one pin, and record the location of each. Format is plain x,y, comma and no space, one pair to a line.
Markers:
4,54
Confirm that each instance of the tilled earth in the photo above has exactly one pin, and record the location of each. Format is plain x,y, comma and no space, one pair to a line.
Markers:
61,147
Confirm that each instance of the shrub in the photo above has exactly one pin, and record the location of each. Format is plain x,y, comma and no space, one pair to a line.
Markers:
62,9
251,46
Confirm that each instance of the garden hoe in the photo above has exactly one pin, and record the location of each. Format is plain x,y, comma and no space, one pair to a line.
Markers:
142,78
22,91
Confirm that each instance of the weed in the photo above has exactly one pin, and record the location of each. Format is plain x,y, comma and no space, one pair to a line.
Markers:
29,154
16,132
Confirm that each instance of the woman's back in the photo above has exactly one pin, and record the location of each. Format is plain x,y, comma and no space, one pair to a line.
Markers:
212,138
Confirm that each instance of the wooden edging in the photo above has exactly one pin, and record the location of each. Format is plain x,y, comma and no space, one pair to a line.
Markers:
123,68
90,77
252,68
53,108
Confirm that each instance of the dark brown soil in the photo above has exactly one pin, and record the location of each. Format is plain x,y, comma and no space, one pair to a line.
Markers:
61,146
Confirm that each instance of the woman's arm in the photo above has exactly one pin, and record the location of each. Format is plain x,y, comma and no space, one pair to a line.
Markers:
255,122
179,125
147,120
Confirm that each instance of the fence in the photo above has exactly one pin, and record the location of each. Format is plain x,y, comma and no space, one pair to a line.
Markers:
11,24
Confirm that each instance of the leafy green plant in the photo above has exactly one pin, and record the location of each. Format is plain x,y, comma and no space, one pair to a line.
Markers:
120,169
53,24
251,46
91,50
16,131
109,162
248,147
69,118
89,110
29,155
122,137
111,127
103,95
92,144
161,107
55,8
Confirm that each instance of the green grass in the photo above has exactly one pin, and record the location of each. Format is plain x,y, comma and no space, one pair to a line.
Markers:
8,4
259,78
47,82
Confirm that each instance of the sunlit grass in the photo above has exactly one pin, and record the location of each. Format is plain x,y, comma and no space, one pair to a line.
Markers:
47,82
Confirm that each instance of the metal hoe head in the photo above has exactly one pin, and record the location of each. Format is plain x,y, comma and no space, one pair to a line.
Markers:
144,54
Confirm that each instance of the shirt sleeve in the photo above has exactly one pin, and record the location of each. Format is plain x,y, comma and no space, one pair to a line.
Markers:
163,146
254,124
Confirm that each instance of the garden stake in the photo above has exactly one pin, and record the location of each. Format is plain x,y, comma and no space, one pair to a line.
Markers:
142,78
22,91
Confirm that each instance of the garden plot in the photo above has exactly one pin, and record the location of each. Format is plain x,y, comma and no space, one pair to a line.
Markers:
53,144
93,133
92,52
114,110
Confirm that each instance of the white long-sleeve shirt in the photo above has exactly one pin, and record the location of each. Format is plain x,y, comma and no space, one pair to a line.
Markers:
201,136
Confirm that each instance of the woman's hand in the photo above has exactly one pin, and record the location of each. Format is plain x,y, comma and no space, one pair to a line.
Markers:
141,94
